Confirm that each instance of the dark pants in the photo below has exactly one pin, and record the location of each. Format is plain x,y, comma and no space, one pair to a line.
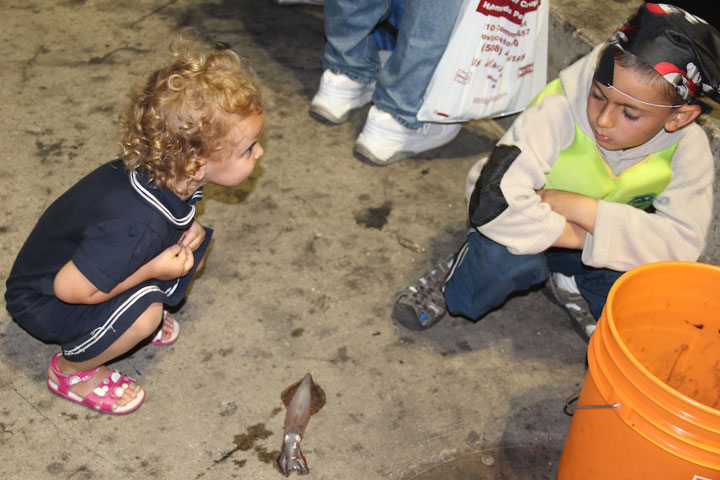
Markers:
485,273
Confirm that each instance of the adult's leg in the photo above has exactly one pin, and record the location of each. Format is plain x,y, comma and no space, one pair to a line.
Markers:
350,48
485,273
423,34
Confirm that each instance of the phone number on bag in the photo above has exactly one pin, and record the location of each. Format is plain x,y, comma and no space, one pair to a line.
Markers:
495,48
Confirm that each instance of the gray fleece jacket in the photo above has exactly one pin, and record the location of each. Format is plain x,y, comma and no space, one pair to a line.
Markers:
625,236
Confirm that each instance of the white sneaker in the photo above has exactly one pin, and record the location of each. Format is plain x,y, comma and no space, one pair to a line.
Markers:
300,2
384,140
338,95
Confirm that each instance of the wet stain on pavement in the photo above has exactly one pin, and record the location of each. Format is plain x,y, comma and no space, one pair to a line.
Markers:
342,356
81,472
25,73
56,150
246,441
55,468
505,463
464,346
228,408
208,355
109,57
473,439
234,195
374,217
5,431
266,457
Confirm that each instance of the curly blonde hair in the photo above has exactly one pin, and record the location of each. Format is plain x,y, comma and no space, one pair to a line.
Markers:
181,116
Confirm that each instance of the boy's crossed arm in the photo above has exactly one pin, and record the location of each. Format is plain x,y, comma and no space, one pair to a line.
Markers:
579,211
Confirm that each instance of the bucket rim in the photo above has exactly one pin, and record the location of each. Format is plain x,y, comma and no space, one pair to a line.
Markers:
621,343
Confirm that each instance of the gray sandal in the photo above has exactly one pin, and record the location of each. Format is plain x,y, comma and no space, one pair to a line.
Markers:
422,304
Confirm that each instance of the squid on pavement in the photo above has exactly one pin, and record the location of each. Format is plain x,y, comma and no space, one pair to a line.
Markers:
308,399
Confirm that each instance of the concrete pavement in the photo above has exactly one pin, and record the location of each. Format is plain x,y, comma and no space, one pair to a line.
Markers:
302,275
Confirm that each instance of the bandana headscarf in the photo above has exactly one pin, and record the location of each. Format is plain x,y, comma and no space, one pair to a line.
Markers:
682,48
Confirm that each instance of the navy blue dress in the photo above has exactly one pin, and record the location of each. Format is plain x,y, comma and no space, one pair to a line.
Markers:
109,224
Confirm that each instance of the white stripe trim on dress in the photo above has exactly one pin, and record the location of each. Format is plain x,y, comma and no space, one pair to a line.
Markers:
180,222
172,289
99,332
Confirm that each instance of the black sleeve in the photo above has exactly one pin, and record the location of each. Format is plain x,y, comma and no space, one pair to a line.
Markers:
487,200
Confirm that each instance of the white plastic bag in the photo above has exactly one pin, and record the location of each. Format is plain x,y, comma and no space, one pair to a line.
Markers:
495,62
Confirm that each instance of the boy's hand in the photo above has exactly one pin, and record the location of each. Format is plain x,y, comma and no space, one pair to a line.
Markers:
174,262
194,236
577,209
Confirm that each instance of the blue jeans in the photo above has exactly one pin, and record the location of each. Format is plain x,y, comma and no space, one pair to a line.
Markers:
423,33
485,273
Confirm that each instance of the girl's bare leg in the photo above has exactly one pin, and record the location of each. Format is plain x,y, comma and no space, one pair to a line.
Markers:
168,326
143,327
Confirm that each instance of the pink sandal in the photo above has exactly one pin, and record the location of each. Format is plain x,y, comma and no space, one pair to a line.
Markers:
158,340
103,397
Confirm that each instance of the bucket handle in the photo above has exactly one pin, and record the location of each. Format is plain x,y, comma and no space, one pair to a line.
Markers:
570,406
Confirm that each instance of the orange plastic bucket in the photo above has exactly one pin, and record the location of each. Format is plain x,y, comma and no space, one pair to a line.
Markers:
649,406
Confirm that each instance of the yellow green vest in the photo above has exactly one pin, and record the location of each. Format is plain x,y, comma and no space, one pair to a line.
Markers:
581,169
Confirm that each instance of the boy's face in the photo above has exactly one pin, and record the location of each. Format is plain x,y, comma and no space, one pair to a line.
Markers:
620,122
234,164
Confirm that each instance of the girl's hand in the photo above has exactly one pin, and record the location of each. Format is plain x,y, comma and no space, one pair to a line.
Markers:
194,236
174,262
